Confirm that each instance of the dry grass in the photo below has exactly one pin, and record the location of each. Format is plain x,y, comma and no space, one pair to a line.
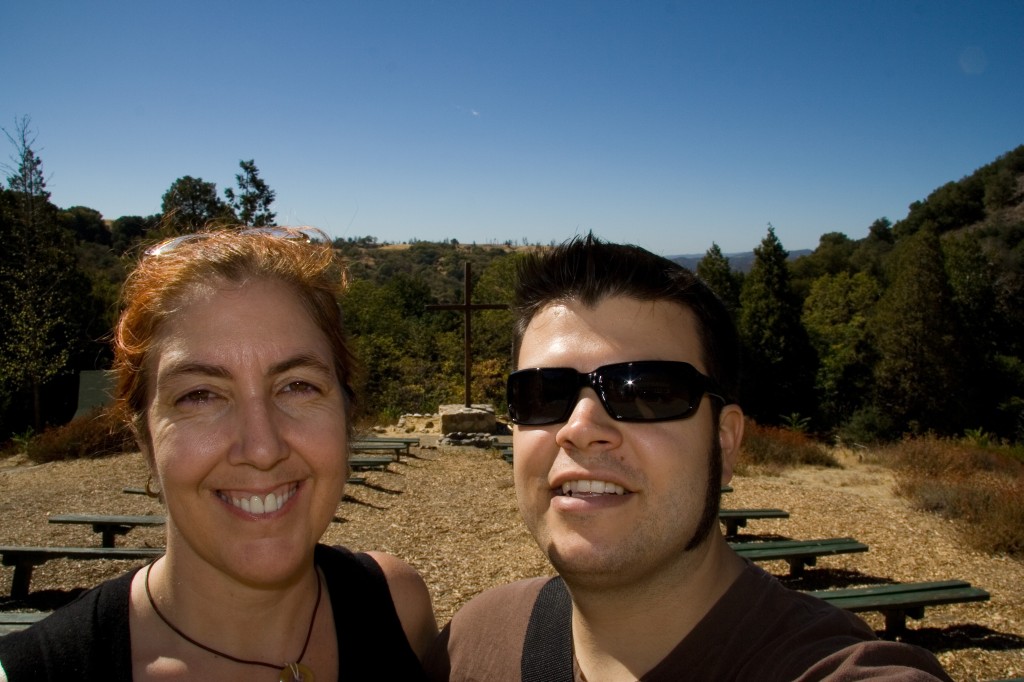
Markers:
981,488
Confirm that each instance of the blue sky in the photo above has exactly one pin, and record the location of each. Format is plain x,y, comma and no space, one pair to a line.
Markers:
667,124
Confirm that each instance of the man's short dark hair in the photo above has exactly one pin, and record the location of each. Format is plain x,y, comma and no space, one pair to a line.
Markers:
588,270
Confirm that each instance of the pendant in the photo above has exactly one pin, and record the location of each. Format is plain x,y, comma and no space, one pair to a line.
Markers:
296,672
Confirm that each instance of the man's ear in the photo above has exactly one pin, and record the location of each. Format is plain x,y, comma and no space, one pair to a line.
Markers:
730,437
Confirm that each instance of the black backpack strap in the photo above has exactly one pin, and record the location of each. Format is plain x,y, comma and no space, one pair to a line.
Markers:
547,649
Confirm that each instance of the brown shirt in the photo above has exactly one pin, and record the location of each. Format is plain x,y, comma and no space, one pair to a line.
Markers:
759,630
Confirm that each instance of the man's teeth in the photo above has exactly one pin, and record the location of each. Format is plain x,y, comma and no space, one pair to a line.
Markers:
592,487
263,505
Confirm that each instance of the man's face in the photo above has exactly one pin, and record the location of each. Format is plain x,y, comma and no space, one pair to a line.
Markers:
652,479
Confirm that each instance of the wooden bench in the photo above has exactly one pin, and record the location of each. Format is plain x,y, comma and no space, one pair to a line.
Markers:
797,553
24,559
734,519
364,462
109,526
902,600
14,621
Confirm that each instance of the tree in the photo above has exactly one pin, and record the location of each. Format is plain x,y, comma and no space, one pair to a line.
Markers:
918,377
835,314
715,271
86,224
191,205
831,257
40,283
870,253
252,202
129,229
777,357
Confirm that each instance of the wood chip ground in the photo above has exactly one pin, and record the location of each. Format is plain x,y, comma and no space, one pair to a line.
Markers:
451,513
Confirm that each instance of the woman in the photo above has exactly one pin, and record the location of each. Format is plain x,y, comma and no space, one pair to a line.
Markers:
234,373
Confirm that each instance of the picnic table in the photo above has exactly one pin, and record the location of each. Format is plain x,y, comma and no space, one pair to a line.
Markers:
26,558
109,526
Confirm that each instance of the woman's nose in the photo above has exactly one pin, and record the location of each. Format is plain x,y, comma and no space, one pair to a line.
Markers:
260,438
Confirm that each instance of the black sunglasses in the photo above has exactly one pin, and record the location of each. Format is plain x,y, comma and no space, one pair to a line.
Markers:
645,391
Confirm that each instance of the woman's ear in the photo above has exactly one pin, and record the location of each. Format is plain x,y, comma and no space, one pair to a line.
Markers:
730,437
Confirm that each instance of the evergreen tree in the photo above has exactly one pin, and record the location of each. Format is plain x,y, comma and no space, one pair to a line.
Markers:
715,271
252,202
41,286
778,361
918,378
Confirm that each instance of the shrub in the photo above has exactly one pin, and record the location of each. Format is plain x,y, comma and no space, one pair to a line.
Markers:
866,426
979,486
774,447
96,434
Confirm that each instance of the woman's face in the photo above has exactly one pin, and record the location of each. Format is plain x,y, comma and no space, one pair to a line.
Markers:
247,431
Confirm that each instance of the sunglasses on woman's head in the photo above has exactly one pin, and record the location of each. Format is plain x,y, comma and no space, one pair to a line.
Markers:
645,391
298,233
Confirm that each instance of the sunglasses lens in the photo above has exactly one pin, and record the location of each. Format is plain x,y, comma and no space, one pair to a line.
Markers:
541,396
646,391
649,391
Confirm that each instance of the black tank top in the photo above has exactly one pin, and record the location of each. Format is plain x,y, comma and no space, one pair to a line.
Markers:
89,639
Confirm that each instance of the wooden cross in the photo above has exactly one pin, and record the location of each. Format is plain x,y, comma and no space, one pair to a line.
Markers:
467,308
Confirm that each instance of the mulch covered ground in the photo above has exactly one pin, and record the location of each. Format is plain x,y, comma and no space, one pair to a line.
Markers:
451,513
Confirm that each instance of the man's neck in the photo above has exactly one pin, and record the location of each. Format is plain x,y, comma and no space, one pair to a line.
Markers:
621,633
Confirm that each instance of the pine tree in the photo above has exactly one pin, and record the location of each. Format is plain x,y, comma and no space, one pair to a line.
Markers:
778,361
39,280
916,331
252,202
715,271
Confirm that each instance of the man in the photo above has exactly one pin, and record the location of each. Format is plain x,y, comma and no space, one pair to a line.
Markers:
626,427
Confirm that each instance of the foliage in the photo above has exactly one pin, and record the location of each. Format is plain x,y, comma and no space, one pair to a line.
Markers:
773,448
919,374
978,486
413,357
41,311
714,270
777,365
96,434
252,202
916,328
191,204
836,314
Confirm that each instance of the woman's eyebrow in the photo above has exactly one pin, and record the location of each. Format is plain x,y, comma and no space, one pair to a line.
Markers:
219,372
302,360
202,368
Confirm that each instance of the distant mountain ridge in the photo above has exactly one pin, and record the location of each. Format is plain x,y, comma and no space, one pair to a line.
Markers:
741,262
